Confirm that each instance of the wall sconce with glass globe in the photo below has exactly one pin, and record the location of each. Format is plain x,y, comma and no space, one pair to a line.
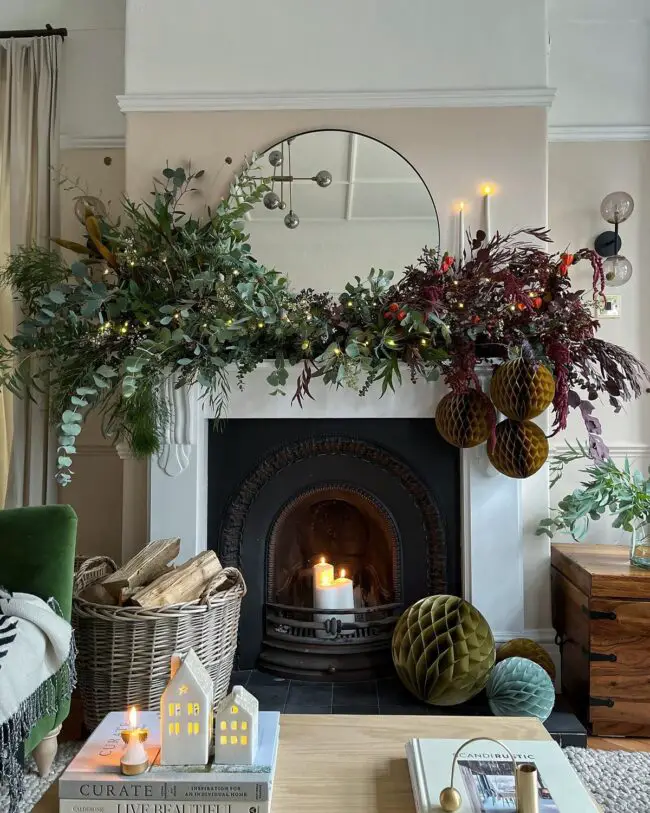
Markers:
615,208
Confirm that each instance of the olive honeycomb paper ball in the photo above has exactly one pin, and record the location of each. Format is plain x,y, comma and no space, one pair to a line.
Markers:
522,389
465,420
520,449
443,650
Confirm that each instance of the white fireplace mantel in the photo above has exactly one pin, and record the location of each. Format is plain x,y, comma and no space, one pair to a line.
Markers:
491,528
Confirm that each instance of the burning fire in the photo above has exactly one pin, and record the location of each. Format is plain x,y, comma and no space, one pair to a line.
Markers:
133,718
342,573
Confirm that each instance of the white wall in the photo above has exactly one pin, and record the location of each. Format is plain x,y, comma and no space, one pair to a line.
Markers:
93,61
600,64
310,45
580,175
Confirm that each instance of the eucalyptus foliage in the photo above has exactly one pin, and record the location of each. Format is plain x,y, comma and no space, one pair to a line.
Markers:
162,293
621,492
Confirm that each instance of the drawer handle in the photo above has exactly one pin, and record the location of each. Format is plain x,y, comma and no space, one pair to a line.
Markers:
601,701
598,615
598,656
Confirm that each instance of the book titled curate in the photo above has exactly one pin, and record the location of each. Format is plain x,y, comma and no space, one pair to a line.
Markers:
485,776
94,774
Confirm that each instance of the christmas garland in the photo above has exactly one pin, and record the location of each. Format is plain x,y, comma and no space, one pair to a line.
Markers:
161,293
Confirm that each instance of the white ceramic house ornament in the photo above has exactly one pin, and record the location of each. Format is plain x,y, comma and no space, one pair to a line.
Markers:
236,722
186,713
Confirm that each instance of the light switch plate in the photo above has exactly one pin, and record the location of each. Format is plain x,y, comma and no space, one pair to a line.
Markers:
610,308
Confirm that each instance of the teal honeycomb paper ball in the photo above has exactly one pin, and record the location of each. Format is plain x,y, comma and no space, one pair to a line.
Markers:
443,650
518,687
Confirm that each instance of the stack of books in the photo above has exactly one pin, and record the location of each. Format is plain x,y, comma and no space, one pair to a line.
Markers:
93,783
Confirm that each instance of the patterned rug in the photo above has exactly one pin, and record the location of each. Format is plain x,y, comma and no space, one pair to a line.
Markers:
35,786
618,780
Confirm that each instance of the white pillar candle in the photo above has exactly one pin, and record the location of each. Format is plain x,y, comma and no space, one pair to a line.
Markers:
337,595
323,573
461,233
487,226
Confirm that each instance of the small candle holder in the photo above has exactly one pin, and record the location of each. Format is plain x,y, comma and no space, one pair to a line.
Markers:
526,795
134,760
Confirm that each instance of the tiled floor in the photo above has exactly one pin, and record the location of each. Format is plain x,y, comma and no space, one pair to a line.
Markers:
386,696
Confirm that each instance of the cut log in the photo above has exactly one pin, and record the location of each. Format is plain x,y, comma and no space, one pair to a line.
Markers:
184,583
143,567
98,594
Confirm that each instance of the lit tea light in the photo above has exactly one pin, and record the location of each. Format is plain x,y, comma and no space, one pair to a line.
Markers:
134,760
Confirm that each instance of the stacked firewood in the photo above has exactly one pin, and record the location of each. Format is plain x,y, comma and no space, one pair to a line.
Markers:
150,579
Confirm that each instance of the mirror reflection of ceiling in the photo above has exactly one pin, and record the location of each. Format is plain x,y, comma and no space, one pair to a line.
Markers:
376,213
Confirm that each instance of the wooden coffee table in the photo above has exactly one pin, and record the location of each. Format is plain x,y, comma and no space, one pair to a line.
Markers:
357,763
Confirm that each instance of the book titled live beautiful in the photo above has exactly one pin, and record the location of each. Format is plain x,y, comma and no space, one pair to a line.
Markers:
485,776
93,783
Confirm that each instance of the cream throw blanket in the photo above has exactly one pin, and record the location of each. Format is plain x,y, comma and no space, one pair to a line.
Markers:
36,674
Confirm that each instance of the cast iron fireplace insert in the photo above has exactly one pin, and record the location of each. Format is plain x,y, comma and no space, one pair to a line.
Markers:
378,499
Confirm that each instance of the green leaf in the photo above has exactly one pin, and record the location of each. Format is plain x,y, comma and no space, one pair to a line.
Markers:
67,442
100,382
71,429
71,417
81,391
106,371
90,307
184,362
56,296
168,172
63,461
80,402
78,269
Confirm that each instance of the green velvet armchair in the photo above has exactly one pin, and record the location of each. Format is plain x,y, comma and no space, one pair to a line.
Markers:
37,550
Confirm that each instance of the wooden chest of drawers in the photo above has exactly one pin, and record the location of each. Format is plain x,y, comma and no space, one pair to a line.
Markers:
601,612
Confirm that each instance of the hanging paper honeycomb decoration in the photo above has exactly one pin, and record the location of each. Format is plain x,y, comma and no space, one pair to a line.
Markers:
520,449
518,687
443,650
466,419
522,389
525,648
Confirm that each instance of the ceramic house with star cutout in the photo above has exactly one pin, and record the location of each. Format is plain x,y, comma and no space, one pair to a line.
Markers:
186,713
236,724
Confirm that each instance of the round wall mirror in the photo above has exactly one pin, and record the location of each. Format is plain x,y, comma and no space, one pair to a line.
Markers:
340,204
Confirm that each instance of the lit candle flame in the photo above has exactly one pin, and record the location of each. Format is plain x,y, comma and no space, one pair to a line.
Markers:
461,206
486,190
133,718
322,560
342,574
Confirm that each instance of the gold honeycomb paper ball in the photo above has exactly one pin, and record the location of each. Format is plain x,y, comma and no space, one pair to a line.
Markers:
522,389
521,449
525,648
443,650
465,420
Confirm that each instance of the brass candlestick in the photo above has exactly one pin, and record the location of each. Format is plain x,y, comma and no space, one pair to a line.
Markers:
134,760
526,795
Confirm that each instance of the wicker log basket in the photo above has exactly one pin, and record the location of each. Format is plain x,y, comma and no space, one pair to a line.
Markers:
124,652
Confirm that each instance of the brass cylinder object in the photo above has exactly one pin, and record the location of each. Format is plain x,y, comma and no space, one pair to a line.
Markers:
527,792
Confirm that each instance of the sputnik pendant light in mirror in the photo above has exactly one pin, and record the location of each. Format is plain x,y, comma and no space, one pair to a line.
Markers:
615,208
272,200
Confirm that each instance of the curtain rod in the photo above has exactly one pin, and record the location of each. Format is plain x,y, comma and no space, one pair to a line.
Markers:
48,31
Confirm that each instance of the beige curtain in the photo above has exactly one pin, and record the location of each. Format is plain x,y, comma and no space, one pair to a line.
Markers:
29,213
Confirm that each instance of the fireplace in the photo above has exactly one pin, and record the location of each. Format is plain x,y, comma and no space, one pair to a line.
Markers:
378,499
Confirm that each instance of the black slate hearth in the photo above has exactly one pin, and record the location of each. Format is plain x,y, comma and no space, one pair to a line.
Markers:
385,696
